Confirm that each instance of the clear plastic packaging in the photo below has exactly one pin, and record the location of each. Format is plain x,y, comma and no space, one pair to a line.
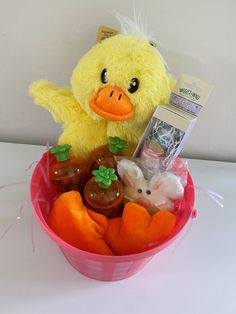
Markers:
154,189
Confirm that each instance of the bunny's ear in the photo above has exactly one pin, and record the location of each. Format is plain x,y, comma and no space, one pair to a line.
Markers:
129,172
156,181
169,184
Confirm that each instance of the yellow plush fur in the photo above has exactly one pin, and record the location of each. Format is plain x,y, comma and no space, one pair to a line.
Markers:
124,57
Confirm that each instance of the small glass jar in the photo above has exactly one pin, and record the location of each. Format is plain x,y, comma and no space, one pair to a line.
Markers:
104,155
106,199
66,173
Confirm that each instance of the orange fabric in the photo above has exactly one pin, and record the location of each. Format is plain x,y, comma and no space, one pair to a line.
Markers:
92,232
77,225
136,229
112,103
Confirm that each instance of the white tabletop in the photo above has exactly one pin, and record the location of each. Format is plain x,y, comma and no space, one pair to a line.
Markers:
196,274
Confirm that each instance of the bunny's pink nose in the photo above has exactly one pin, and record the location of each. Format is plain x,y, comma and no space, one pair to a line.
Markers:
143,201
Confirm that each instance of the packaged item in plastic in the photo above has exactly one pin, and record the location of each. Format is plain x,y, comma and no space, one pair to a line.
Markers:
171,125
160,192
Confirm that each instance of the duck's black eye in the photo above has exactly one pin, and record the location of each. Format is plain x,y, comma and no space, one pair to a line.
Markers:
134,84
104,76
140,191
148,192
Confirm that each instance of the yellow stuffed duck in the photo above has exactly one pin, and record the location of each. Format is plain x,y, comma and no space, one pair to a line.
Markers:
115,89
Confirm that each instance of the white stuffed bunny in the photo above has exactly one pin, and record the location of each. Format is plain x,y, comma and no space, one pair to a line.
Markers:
159,192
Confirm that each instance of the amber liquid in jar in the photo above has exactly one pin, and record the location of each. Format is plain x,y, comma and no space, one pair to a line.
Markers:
105,155
108,202
68,175
102,157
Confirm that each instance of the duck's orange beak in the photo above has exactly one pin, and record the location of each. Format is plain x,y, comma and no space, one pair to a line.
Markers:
112,103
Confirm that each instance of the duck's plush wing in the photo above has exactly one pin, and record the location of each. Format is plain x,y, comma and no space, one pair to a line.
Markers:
83,133
58,101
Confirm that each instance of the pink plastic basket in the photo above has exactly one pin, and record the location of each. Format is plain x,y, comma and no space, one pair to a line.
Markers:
100,267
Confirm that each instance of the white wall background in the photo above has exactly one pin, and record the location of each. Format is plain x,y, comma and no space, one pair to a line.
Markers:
46,38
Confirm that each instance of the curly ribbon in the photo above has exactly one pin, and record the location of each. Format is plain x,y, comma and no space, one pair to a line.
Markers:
37,199
6,231
18,217
32,233
212,194
12,184
30,165
183,236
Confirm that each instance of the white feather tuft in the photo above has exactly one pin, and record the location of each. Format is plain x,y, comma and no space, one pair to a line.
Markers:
137,27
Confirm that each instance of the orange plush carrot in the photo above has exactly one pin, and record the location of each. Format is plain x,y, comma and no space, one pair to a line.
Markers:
136,229
77,225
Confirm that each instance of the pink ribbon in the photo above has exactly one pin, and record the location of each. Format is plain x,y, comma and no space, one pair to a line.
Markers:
212,194
18,217
12,184
31,164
